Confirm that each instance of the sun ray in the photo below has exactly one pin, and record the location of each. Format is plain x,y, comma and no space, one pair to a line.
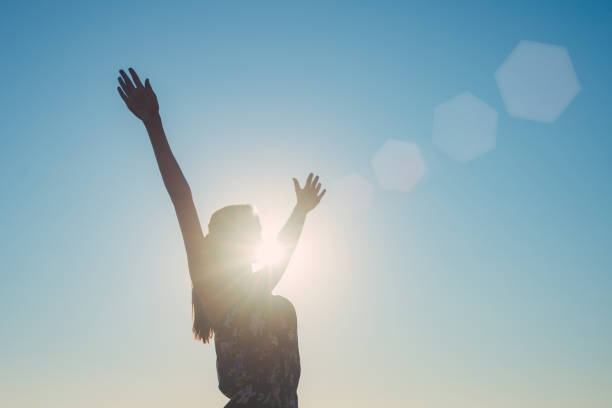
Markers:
269,252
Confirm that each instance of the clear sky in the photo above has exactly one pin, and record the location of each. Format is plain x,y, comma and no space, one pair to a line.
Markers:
487,285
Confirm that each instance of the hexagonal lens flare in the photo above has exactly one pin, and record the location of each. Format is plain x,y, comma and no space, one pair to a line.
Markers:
464,127
398,165
537,81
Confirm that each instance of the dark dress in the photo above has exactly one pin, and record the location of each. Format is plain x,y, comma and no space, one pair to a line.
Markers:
258,362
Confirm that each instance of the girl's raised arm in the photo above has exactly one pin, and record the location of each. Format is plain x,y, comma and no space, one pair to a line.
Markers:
308,198
142,102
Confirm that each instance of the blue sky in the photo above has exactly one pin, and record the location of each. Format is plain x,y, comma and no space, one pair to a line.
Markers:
487,285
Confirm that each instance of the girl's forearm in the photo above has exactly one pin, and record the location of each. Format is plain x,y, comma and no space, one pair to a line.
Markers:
173,177
290,234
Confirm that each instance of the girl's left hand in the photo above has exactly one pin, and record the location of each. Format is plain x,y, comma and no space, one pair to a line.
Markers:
308,197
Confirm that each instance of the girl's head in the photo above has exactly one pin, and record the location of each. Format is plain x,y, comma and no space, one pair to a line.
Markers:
234,233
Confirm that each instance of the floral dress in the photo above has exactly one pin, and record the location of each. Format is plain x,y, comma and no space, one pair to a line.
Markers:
258,362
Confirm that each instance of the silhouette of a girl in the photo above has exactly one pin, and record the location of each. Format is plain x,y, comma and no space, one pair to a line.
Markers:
255,332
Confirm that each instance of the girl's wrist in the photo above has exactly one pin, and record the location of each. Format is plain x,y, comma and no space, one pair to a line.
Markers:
152,121
299,209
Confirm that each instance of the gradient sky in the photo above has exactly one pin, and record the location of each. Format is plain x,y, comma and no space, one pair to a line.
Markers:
488,285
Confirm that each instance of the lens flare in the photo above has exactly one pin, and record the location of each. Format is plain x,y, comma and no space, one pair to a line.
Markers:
269,252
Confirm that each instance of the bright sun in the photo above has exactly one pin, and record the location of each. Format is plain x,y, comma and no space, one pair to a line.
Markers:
269,252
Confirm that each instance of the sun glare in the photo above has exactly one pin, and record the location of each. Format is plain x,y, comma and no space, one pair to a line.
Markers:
269,252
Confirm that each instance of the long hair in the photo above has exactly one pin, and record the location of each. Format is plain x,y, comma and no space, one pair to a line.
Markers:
202,327
229,228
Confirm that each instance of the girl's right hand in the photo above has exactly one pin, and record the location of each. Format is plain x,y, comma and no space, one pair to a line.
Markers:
139,98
